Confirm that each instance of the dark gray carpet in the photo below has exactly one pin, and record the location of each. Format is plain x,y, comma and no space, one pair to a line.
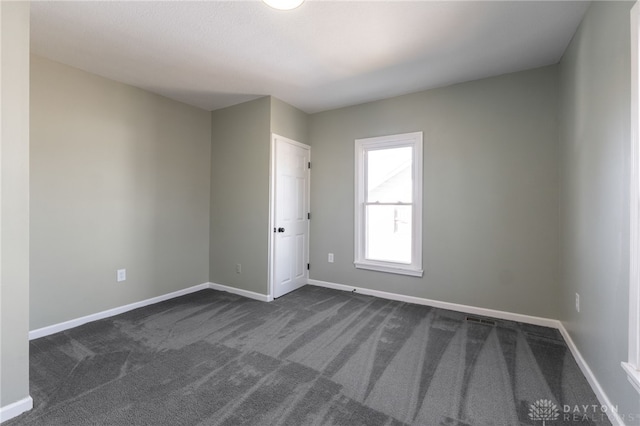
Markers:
316,356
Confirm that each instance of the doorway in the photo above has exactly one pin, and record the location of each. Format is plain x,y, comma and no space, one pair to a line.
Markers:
290,186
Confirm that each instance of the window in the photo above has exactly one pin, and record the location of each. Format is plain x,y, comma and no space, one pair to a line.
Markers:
633,366
388,210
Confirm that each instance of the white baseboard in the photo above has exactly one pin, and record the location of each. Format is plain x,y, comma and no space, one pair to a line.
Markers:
56,328
633,375
241,292
614,416
15,409
545,322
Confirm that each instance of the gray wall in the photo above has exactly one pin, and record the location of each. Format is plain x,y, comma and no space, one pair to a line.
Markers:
240,156
490,219
240,140
289,121
594,135
14,202
119,179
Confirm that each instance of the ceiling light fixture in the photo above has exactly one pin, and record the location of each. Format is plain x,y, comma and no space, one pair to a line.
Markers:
283,4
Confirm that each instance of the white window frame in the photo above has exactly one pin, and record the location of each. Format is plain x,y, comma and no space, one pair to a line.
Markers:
413,140
632,367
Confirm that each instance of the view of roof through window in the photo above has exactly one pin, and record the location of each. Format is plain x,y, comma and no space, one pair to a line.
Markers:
389,181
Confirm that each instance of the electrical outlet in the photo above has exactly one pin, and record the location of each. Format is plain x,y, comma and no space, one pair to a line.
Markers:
577,302
238,268
330,258
121,275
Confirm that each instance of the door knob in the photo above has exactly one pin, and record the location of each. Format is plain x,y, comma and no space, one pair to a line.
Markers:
280,229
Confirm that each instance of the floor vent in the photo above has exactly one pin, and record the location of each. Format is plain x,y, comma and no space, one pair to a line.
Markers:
555,338
482,321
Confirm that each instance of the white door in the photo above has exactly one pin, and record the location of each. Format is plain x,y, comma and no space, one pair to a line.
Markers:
290,207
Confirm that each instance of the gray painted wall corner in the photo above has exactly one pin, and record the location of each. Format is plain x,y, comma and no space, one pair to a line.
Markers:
14,203
240,141
240,167
289,121
119,179
595,147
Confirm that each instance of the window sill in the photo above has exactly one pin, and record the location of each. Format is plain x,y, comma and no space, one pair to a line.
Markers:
633,375
389,269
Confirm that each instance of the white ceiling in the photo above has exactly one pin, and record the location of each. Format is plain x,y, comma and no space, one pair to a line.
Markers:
322,55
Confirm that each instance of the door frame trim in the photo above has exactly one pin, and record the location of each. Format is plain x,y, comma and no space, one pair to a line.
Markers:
272,169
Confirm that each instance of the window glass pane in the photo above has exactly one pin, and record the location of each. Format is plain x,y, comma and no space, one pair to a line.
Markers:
388,233
389,175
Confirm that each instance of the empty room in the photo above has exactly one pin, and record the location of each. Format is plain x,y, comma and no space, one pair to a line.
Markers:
310,212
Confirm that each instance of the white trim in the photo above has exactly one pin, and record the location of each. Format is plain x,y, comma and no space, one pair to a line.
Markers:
633,375
415,141
612,412
14,409
373,266
291,141
66,325
272,206
240,292
1,200
545,322
272,192
634,203
56,328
